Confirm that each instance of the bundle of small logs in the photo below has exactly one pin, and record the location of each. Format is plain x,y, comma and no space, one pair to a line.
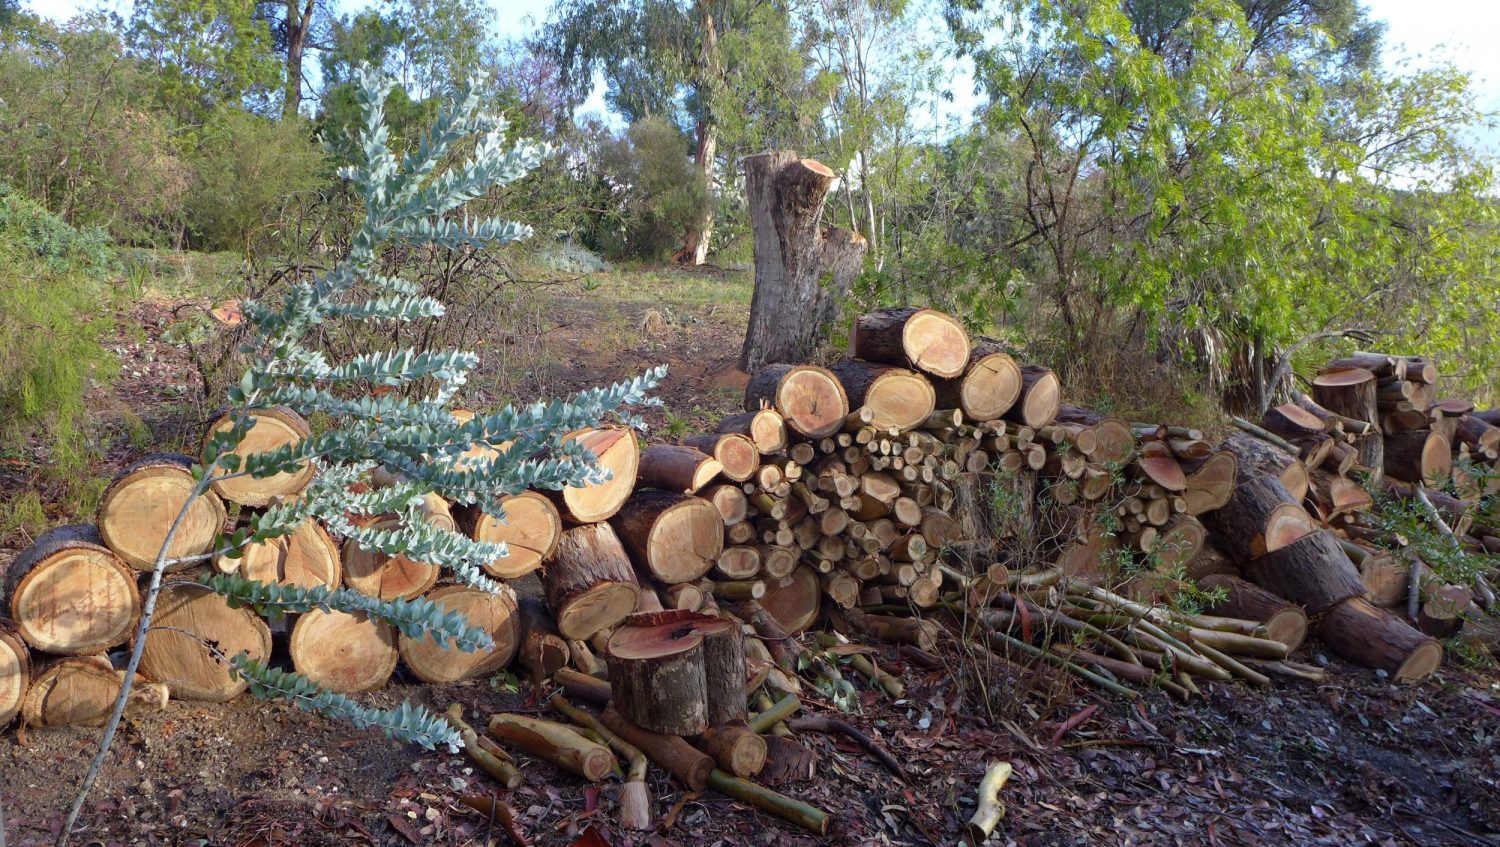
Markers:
929,484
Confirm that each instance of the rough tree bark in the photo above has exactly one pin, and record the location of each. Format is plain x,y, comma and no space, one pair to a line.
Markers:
791,306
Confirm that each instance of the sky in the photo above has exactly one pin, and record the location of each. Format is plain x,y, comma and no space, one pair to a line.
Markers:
1462,32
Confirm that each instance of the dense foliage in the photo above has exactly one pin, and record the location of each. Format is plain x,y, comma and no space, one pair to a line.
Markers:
1188,185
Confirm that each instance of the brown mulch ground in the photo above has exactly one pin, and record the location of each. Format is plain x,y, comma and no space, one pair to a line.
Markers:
1351,761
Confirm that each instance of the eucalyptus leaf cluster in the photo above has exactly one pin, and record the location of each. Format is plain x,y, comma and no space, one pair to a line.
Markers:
391,410
405,722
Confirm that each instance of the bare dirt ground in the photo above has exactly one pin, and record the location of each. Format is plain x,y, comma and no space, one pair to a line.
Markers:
1351,761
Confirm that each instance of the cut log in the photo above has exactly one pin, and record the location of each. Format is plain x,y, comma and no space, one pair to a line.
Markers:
921,339
270,430
1386,575
1291,421
1337,495
1420,456
395,577
737,454
1379,364
1375,638
557,743
802,269
731,502
787,760
1258,458
617,452
737,750
343,652
764,427
192,634
1157,465
1260,516
69,595
1210,482
1041,393
1313,572
810,399
897,398
794,603
1474,432
989,386
492,613
543,650
1443,609
690,765
139,507
1285,622
675,537
308,557
15,672
738,562
1179,541
1349,392
671,467
530,529
591,585
81,691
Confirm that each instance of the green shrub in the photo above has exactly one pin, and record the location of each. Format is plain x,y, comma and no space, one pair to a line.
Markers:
655,192
55,300
252,175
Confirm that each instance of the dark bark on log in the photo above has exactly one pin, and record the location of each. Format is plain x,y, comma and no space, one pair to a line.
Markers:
1285,621
920,339
1312,571
1377,639
810,399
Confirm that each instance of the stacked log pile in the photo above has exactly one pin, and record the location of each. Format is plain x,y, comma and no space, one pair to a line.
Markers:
929,484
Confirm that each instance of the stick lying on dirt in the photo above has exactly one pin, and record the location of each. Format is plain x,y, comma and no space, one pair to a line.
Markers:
991,810
488,755
831,726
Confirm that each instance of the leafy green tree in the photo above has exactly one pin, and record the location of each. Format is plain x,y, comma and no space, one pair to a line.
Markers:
206,53
655,192
731,70
84,135
1216,204
414,200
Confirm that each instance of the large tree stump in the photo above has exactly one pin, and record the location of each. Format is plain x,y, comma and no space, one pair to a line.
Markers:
1377,639
530,530
792,307
271,429
192,629
1312,571
492,613
988,387
81,691
591,585
616,451
69,595
922,339
343,652
896,397
139,507
810,399
1351,392
15,672
659,678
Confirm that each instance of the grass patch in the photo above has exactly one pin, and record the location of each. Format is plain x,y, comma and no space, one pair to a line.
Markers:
670,286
